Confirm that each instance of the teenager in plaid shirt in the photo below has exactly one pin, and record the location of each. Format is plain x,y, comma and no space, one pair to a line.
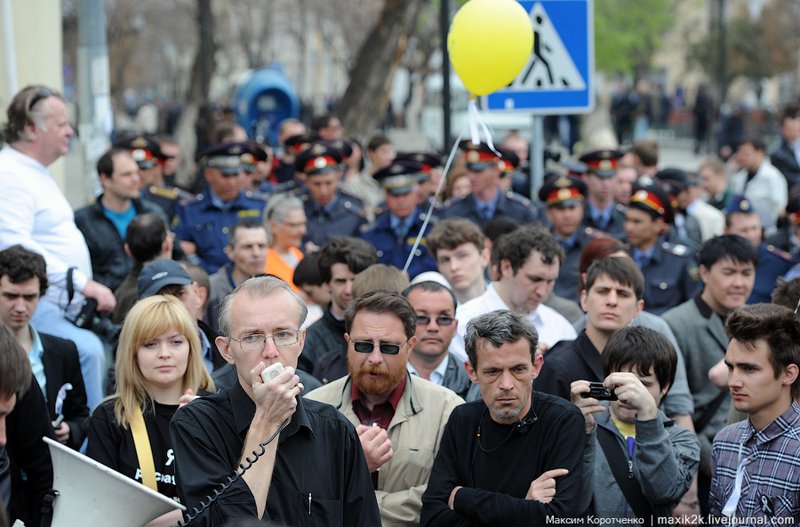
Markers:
756,468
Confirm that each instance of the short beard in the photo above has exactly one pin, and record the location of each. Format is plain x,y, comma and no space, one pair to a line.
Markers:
387,381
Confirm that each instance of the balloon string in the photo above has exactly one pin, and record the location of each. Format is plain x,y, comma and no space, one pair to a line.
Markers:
472,112
475,122
436,194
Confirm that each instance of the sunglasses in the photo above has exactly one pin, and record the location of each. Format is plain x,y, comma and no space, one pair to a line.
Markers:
41,93
424,320
386,349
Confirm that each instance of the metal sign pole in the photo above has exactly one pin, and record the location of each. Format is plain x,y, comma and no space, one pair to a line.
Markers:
536,155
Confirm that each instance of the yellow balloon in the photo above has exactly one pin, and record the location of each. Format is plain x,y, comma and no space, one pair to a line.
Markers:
490,41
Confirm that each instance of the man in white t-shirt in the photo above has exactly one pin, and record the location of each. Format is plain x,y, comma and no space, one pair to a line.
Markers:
529,259
35,214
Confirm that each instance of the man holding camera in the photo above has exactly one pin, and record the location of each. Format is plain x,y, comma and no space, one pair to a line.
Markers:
35,214
638,463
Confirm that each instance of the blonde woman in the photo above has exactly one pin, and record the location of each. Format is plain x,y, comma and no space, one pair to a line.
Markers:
285,219
159,366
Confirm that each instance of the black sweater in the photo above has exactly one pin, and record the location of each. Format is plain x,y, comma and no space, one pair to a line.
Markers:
496,470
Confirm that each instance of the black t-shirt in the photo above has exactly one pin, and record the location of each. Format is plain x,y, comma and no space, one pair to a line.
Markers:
113,446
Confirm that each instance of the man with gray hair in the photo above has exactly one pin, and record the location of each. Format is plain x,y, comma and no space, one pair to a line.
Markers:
35,214
247,250
317,458
539,435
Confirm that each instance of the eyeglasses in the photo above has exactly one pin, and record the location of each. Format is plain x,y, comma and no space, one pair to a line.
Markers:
424,320
257,341
386,349
41,93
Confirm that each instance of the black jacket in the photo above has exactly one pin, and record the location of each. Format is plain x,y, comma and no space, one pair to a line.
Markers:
25,427
783,159
110,264
324,339
61,366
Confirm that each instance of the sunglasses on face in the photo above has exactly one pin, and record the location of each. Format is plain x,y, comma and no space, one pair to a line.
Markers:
442,320
386,349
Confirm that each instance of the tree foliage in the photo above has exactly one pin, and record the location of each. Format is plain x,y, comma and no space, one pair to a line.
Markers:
628,33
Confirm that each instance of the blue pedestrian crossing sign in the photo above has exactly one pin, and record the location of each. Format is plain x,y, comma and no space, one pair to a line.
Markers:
559,76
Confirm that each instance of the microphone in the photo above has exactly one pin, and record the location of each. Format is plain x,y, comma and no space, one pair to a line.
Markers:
523,426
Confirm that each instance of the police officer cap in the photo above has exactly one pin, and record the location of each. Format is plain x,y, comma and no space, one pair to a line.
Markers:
562,191
298,143
652,199
510,160
254,153
574,168
345,146
793,210
478,156
227,158
400,177
319,158
602,163
144,150
160,273
428,160
739,204
676,178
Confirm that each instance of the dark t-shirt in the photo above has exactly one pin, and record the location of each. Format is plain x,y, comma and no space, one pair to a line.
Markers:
113,446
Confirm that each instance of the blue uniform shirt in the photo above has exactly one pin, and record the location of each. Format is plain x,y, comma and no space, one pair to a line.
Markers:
671,276
507,204
343,216
393,250
206,220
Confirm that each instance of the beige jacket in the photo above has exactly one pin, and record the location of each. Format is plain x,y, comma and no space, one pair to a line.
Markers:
415,432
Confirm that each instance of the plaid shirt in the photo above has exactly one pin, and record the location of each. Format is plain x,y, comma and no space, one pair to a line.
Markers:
771,457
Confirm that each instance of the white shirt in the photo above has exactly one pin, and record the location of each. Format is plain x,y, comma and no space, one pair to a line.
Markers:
437,375
767,192
550,324
34,213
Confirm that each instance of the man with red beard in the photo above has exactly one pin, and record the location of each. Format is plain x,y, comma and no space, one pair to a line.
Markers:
389,406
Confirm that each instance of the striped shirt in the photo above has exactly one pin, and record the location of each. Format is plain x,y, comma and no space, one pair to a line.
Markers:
771,469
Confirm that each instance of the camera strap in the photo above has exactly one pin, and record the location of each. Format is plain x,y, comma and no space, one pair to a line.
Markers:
143,451
629,486
70,285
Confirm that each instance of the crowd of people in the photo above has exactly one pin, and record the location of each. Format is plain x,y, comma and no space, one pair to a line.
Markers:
623,345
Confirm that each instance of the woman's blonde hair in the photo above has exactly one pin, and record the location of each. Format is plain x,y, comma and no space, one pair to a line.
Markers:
149,318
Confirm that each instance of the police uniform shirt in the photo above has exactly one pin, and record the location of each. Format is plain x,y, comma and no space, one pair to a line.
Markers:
393,239
772,264
610,220
566,285
343,216
507,204
206,220
670,274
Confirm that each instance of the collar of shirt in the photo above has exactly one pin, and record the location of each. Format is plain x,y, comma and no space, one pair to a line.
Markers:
437,375
25,159
218,203
788,422
35,356
644,256
381,414
205,344
704,308
324,208
569,242
244,409
490,205
601,216
402,225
